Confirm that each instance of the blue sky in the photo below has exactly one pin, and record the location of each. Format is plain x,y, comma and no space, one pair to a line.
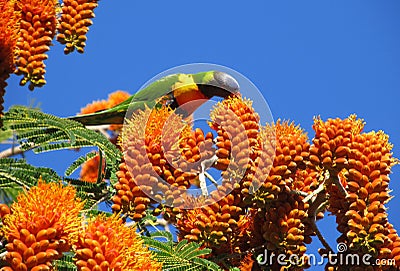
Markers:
308,58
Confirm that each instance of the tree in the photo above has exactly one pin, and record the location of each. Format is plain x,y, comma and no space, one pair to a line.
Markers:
275,181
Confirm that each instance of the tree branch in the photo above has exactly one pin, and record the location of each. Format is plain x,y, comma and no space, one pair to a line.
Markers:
15,150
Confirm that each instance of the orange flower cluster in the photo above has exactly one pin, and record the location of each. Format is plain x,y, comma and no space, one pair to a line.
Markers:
330,144
8,39
74,24
394,245
283,215
107,244
150,145
37,28
194,148
236,222
224,225
130,198
291,154
90,170
284,228
114,98
27,28
330,151
269,176
237,127
361,163
43,224
218,226
370,162
245,150
245,155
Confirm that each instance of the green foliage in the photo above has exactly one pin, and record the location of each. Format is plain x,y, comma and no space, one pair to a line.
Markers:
44,132
17,171
148,219
66,263
5,134
182,256
9,194
92,193
78,162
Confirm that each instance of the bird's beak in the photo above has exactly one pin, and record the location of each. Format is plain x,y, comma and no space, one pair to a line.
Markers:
227,83
221,85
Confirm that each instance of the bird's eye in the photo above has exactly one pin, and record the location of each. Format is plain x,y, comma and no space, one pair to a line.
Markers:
226,81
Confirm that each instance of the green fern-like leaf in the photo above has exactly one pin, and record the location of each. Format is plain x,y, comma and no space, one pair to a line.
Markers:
78,162
14,171
44,132
92,193
87,187
5,133
93,213
9,193
17,173
66,263
181,256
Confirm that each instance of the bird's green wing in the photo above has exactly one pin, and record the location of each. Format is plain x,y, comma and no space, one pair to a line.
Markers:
148,96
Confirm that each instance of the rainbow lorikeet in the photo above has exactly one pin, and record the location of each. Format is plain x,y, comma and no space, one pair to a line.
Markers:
174,90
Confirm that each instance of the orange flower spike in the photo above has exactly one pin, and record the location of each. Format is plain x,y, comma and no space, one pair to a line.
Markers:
43,224
392,249
130,198
291,150
194,148
237,126
263,163
329,147
74,24
107,244
94,107
283,228
90,170
370,162
117,97
283,232
37,29
230,118
219,226
150,142
8,37
113,99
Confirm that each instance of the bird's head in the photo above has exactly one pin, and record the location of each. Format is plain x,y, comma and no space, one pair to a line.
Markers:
216,83
192,90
